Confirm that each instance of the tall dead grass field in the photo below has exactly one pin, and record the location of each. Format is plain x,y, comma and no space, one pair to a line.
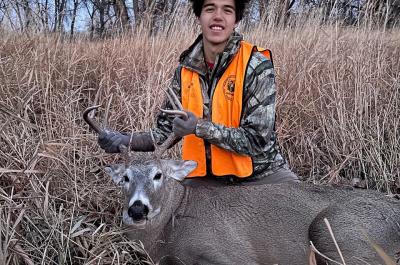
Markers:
337,119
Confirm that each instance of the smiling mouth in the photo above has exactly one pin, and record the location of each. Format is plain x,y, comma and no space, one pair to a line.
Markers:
217,28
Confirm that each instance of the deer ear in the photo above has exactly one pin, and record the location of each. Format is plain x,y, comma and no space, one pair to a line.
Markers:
115,173
180,169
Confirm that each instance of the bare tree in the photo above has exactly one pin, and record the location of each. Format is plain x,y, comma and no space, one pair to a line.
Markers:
91,12
108,15
100,7
157,15
121,12
396,13
43,13
284,11
27,14
136,11
2,11
73,17
59,14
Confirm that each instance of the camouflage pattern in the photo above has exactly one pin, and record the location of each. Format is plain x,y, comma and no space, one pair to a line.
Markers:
256,136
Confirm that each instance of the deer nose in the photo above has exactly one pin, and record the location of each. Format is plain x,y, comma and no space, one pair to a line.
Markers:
138,211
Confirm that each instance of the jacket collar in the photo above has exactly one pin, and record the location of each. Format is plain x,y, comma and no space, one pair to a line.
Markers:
193,57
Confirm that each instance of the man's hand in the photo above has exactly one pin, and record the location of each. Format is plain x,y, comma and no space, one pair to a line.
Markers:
111,140
183,127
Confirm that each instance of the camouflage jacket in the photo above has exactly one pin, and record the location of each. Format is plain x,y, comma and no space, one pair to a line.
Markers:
256,136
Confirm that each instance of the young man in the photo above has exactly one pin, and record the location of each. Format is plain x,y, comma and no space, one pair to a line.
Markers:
227,87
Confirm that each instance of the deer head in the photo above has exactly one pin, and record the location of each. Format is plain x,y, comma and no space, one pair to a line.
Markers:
146,178
147,185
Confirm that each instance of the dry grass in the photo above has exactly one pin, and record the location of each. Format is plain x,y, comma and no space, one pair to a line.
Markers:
339,104
339,101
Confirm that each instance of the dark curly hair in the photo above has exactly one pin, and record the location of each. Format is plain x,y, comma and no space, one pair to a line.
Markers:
239,4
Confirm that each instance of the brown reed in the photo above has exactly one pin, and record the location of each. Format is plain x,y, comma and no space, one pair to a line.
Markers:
338,109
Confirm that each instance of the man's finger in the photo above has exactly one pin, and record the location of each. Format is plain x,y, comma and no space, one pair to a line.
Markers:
179,122
112,142
117,142
102,135
115,137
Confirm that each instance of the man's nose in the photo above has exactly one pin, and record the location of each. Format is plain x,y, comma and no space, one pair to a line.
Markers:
218,14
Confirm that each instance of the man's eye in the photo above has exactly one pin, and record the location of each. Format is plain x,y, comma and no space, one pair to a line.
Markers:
229,11
209,9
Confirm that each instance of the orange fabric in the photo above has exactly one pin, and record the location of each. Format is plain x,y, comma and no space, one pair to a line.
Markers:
226,110
193,147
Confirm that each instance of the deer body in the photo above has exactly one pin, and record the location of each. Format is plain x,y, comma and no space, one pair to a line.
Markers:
259,224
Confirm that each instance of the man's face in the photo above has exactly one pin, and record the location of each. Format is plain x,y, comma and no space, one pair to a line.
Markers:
217,20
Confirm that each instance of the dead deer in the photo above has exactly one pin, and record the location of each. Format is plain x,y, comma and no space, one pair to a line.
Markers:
258,224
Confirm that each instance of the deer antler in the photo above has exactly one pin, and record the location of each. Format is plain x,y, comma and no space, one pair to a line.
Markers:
159,149
98,129
92,124
178,111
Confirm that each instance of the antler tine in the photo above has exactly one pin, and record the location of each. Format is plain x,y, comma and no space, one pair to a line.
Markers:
178,111
171,100
124,151
176,105
92,124
160,149
175,99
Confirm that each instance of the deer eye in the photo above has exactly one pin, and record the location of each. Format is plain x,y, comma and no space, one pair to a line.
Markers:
126,178
157,176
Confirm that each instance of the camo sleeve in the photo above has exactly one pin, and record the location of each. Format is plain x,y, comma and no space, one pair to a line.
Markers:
164,122
256,132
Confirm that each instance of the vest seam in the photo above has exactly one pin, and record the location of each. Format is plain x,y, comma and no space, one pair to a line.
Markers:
243,88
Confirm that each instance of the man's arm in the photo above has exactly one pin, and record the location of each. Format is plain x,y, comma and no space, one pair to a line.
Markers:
257,124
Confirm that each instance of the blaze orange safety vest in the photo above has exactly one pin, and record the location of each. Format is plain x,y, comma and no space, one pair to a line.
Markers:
226,110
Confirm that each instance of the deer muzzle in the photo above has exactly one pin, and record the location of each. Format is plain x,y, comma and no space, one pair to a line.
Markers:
138,211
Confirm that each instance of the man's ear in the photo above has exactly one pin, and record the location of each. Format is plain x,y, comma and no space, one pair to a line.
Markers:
178,170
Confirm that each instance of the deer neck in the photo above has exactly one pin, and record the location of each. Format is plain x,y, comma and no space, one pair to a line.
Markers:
176,200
